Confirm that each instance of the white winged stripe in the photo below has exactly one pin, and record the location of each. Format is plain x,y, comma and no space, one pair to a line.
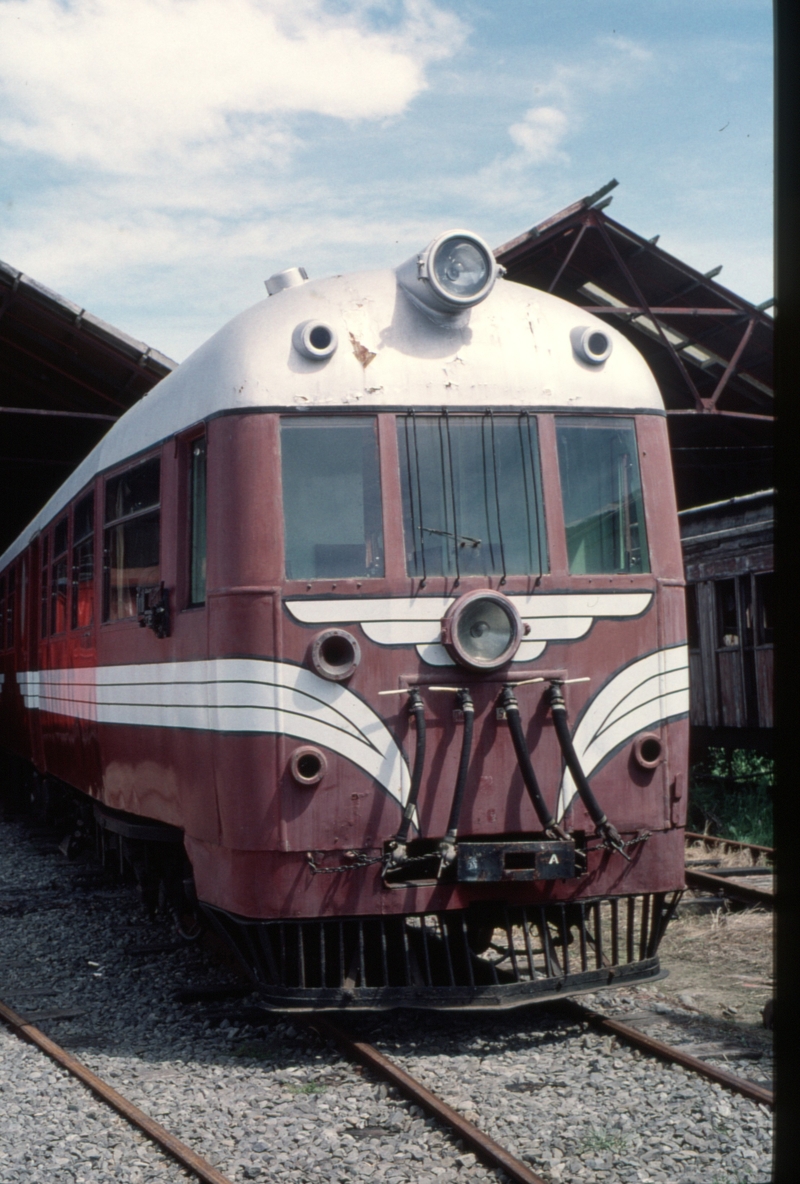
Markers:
648,692
407,621
392,608
226,695
582,604
397,632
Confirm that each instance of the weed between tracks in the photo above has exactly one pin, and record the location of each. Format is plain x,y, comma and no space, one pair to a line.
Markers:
602,1141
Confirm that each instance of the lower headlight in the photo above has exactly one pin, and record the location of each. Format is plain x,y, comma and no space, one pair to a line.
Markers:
482,630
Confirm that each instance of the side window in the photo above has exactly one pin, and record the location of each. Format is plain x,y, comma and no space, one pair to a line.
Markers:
45,586
131,538
197,521
331,497
2,605
11,609
83,563
58,586
602,495
472,496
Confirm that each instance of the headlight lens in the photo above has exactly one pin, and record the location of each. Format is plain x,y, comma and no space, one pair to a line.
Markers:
483,630
461,267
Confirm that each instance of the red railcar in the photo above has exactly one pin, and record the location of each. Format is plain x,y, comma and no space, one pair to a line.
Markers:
376,604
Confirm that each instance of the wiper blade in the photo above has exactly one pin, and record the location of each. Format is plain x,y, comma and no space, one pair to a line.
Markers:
461,539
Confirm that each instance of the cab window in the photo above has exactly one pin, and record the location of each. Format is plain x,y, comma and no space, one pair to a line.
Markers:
331,497
132,537
602,495
472,495
197,521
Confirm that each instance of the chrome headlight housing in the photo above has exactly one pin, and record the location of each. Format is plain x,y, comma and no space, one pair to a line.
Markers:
482,630
454,272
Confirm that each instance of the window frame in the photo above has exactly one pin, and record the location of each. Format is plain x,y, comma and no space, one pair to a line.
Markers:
374,417
532,472
189,443
107,526
74,569
605,422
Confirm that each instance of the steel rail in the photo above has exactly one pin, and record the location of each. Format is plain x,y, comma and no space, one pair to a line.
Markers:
730,844
174,1147
748,1089
483,1146
741,892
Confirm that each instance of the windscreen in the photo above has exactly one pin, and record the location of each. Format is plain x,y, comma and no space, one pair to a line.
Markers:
602,495
472,497
331,497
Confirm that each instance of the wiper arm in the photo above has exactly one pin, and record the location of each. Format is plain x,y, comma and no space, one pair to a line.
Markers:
461,539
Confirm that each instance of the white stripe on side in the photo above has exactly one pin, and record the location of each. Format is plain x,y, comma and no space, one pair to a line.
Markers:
227,695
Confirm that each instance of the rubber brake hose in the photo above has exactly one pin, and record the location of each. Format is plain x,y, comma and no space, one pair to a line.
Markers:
447,849
598,817
511,707
416,708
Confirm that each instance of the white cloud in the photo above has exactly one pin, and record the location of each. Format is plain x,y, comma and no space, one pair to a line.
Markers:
539,134
125,85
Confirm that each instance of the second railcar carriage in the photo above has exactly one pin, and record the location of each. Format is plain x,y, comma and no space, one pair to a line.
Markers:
376,604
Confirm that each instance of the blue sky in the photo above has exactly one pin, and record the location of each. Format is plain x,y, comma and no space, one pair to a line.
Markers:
160,158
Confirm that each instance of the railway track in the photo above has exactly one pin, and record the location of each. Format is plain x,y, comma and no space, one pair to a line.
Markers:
750,884
364,1053
548,1067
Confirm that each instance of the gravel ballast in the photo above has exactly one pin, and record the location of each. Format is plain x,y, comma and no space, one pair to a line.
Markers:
271,1101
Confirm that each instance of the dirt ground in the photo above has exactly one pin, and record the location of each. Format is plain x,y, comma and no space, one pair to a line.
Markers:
722,960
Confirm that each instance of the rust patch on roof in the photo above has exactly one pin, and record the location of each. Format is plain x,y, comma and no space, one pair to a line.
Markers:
363,354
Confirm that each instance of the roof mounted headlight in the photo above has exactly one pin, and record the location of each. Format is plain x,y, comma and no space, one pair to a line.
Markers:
482,630
454,272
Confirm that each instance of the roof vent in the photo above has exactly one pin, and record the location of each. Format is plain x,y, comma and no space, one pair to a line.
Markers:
291,278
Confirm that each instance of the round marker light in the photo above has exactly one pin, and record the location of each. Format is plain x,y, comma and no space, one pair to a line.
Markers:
482,630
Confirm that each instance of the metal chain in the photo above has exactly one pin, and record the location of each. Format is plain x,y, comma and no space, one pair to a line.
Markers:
606,846
360,859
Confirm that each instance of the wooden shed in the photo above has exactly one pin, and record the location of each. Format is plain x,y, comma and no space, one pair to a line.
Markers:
728,557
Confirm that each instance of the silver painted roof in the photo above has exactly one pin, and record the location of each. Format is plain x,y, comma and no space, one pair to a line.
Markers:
515,350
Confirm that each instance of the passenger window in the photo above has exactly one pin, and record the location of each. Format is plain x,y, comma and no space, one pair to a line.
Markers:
45,586
132,538
197,515
602,495
472,497
58,585
2,606
10,609
331,497
83,563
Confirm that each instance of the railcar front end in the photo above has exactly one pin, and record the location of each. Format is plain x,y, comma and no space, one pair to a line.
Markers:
389,626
